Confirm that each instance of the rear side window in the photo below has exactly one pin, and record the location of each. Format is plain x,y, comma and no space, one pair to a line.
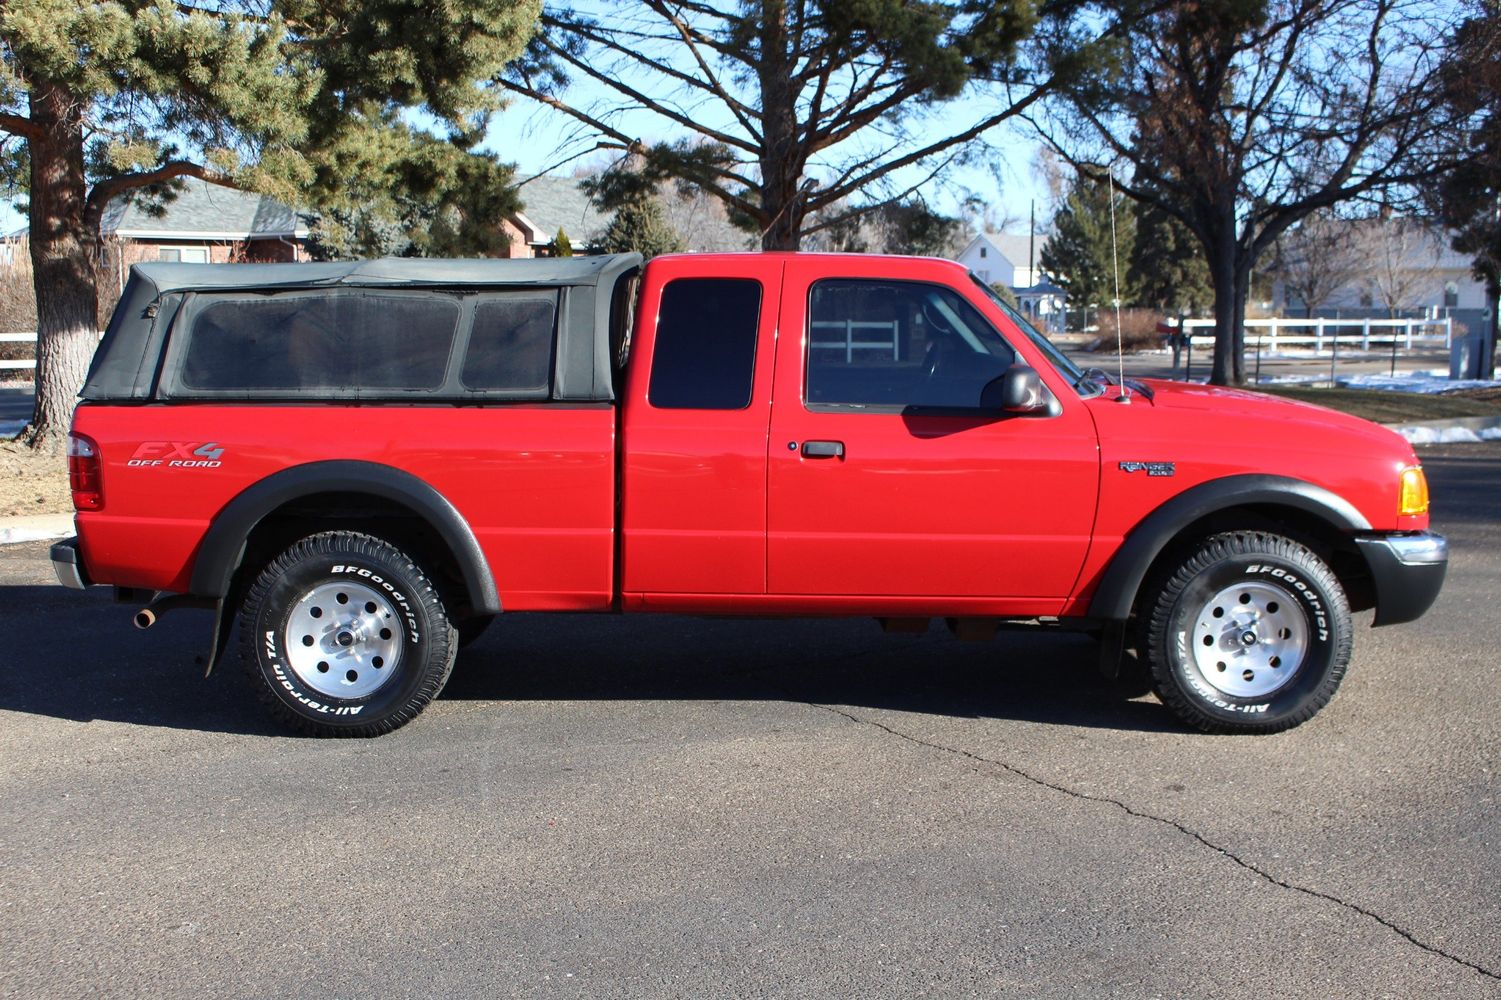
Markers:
340,342
510,343
705,356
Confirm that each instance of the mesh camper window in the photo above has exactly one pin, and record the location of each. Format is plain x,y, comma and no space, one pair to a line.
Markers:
511,343
329,342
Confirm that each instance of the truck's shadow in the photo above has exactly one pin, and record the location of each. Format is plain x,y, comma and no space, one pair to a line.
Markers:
75,656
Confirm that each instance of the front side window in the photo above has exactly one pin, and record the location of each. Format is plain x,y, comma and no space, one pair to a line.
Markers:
898,344
705,354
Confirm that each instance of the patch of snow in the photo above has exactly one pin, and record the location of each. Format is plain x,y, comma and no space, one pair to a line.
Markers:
1292,379
1426,383
9,536
10,428
1449,435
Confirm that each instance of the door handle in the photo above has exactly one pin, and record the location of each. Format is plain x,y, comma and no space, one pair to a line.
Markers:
823,449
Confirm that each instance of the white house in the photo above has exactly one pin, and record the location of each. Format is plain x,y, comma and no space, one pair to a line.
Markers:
1008,259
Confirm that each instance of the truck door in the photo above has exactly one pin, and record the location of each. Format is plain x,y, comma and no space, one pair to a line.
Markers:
697,410
886,477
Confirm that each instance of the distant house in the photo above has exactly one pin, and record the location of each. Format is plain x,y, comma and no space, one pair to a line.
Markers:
548,204
1004,259
207,224
1009,259
1403,258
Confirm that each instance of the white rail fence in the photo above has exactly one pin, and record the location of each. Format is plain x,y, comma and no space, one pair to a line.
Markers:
1335,335
18,338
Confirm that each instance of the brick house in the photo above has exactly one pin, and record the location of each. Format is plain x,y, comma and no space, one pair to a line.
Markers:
206,223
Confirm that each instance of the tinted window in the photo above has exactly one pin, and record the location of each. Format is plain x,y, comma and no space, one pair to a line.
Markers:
349,341
896,343
706,344
510,346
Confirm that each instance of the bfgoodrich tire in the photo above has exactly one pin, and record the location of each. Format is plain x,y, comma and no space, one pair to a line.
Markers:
344,635
1250,633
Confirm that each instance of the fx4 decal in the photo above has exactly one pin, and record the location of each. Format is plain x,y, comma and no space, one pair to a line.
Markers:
177,455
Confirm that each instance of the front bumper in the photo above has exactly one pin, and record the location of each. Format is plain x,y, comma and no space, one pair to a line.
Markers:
1408,572
67,563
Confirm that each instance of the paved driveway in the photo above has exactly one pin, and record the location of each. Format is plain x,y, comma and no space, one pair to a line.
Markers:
675,807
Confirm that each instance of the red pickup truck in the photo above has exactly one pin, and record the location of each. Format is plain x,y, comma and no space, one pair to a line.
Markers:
367,462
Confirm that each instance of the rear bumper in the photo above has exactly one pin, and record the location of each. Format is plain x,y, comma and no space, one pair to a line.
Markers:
67,563
1408,572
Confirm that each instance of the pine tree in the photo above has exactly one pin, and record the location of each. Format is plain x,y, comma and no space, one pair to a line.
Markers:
1167,271
562,246
305,101
1080,255
640,226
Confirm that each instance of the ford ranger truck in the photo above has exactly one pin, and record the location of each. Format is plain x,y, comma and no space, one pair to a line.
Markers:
360,465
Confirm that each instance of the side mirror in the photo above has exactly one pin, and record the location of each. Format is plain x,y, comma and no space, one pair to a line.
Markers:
1019,390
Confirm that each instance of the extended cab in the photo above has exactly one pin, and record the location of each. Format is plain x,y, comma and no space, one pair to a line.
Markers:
367,462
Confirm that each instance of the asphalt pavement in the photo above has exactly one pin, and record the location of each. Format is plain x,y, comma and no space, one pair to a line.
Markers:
658,807
16,403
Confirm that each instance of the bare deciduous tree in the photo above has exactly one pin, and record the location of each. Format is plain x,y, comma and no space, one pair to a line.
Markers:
1243,118
1401,257
1318,258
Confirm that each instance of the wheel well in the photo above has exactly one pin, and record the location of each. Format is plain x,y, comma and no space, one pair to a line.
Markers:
1328,542
384,518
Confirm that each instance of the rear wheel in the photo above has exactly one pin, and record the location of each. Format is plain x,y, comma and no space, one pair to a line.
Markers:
346,636
1250,633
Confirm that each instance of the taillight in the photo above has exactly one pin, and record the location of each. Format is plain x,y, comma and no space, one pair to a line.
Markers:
85,473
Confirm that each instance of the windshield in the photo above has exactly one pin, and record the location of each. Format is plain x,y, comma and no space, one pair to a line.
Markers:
1075,374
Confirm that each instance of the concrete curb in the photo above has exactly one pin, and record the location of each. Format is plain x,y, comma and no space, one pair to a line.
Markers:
35,528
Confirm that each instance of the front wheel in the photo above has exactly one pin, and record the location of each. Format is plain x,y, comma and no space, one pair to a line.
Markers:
346,636
1248,634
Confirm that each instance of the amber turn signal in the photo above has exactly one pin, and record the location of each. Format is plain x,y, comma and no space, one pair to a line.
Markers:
1413,495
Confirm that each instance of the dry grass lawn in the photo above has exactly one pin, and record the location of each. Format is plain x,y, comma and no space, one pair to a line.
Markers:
32,483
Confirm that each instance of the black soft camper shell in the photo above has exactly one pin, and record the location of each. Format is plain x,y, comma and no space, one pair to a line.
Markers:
394,329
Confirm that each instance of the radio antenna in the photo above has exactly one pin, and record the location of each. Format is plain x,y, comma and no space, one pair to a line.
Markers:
1115,266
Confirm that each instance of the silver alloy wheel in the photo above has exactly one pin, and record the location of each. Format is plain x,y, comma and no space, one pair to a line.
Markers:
343,639
1250,639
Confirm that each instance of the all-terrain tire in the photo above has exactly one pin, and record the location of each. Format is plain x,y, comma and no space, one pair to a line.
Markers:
343,634
1249,633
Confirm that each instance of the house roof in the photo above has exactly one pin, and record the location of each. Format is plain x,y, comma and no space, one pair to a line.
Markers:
551,203
1421,245
203,211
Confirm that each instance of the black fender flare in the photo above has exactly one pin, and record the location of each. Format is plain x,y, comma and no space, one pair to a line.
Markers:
1128,567
223,546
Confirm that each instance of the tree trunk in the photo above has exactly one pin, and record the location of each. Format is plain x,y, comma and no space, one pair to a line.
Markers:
62,261
1229,303
1488,349
781,159
1225,322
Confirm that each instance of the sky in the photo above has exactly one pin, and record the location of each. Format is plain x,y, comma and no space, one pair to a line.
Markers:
537,139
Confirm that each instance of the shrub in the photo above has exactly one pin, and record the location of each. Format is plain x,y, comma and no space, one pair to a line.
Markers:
1138,330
